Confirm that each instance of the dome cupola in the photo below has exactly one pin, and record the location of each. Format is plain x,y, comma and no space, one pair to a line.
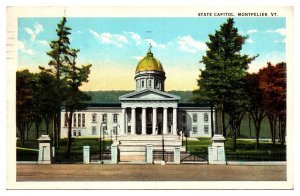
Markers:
149,73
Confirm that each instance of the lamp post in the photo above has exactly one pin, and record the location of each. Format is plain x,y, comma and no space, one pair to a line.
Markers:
163,145
186,144
100,140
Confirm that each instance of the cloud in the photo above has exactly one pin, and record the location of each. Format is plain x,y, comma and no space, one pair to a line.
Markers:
281,31
249,40
136,37
23,49
252,31
43,42
38,28
137,57
109,38
188,44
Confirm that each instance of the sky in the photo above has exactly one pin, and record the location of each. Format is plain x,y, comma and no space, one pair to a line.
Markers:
115,45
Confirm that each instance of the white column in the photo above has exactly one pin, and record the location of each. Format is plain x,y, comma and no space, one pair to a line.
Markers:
165,121
154,120
174,121
143,121
126,123
122,124
133,125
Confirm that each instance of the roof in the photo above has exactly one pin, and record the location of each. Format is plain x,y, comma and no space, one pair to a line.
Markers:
193,105
104,105
149,63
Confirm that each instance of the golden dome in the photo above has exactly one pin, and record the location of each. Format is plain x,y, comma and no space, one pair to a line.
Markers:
149,63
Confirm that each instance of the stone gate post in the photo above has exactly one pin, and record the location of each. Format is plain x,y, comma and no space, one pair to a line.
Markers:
216,153
44,150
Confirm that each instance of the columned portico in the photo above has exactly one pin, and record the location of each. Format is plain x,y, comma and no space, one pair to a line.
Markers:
154,121
174,121
143,121
165,121
133,124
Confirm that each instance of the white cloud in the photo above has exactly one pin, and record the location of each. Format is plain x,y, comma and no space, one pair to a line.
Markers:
281,31
23,49
152,42
38,28
188,44
43,42
252,31
137,57
136,37
110,38
249,40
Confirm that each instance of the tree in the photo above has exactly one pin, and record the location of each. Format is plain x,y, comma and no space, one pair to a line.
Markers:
76,99
273,85
256,102
58,53
225,68
24,100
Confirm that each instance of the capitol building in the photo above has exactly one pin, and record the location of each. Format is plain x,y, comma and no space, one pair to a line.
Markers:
149,111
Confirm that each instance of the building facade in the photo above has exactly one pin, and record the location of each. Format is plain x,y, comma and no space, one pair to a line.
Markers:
147,111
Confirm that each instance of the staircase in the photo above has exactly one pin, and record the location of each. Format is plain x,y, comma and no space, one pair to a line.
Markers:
132,148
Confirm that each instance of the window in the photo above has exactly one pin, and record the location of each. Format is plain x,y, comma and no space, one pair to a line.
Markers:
143,83
115,116
66,119
74,120
94,117
195,129
94,131
79,133
205,117
115,130
170,116
149,117
205,128
129,129
104,117
129,117
156,84
74,133
83,120
195,118
79,120
159,117
149,83
183,118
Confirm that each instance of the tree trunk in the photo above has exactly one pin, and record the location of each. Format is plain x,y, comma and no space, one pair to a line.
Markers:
223,118
70,118
249,121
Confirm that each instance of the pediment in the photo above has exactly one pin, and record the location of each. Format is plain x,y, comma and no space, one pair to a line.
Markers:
149,94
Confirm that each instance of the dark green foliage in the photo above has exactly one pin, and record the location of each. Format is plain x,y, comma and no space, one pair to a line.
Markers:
222,80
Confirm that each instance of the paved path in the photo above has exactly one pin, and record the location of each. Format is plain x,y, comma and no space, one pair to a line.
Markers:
199,172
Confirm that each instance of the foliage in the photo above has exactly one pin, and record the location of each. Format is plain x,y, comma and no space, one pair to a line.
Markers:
273,85
221,82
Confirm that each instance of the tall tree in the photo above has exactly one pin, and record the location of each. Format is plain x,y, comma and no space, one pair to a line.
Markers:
24,100
76,99
58,53
273,85
255,106
225,67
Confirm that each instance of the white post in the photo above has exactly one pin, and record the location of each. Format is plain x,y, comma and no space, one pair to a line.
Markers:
44,150
177,154
133,125
143,121
216,153
165,121
174,121
154,119
86,154
114,153
149,154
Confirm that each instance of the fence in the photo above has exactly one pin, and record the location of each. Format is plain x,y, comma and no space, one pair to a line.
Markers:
159,155
193,157
94,157
255,157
